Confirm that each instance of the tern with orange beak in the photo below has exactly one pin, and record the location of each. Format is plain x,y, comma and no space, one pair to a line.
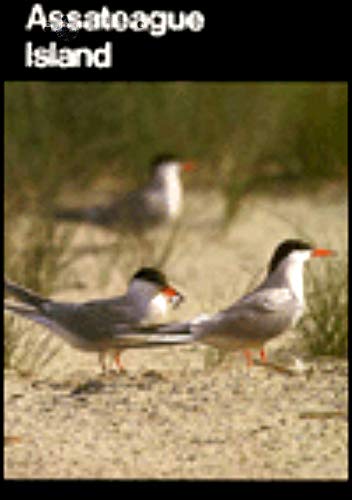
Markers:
268,311
159,201
95,325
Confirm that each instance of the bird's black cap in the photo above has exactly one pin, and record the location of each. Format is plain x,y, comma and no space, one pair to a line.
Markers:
284,249
152,275
163,158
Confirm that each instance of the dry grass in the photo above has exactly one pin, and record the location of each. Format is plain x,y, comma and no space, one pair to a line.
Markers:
324,328
34,251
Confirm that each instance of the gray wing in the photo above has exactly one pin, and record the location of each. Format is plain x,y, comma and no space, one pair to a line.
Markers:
139,339
131,210
108,325
36,316
96,321
88,330
255,319
156,335
122,210
138,208
90,325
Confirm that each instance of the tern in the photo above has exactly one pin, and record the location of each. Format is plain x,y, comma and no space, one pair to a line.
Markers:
95,325
268,311
159,201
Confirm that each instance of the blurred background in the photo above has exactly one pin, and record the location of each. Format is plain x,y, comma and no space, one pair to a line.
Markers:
68,140
244,135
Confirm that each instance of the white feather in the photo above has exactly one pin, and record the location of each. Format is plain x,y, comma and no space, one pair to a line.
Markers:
170,175
289,273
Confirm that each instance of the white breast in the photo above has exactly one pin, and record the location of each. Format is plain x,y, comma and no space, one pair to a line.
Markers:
158,308
289,274
173,194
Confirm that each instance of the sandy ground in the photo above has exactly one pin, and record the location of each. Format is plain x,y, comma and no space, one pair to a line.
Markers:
176,414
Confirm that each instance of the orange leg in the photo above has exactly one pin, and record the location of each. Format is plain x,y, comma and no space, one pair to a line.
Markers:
249,359
263,356
117,359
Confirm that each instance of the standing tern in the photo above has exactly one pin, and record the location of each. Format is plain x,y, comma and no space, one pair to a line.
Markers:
159,201
269,310
95,325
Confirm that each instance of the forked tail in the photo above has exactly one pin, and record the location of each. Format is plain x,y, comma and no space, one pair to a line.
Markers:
24,295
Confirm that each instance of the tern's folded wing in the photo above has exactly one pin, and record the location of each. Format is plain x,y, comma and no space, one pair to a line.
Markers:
256,317
265,300
139,339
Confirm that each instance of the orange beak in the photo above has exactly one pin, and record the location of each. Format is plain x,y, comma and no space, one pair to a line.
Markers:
322,252
169,291
188,165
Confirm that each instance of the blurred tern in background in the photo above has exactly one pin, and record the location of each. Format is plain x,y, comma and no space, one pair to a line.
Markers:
159,201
